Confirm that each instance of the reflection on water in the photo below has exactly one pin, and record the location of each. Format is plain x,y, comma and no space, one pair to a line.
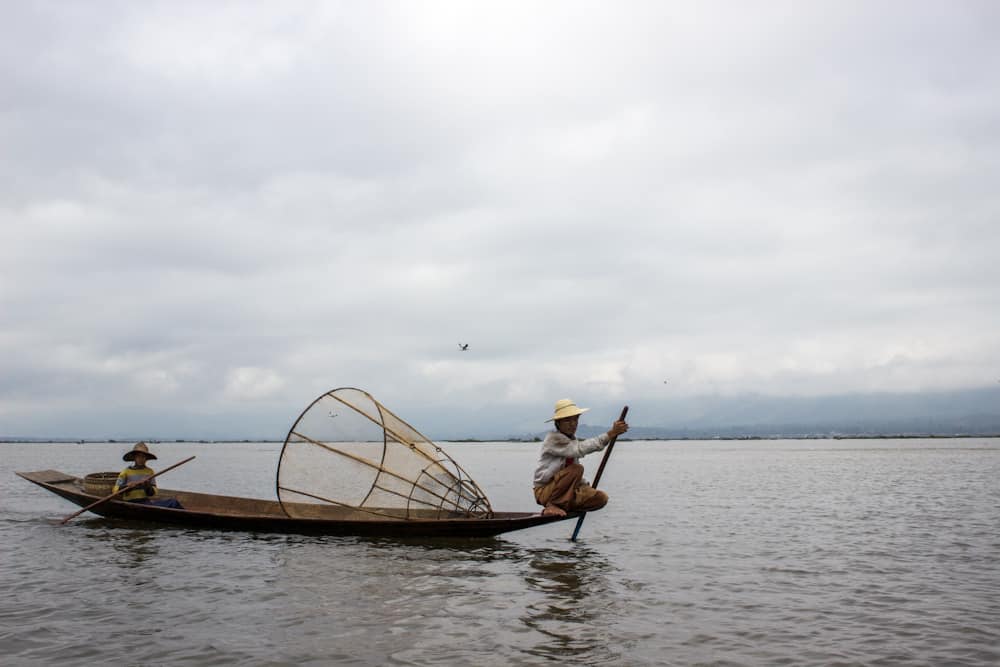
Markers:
135,548
567,615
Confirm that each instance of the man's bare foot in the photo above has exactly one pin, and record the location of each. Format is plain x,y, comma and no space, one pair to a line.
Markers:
553,510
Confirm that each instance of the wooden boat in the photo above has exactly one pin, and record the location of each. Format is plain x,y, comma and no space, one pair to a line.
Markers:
204,510
349,466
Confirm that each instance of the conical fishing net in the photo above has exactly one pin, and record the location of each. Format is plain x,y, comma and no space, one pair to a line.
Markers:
348,456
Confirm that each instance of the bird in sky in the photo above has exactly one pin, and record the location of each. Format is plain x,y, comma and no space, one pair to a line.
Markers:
463,346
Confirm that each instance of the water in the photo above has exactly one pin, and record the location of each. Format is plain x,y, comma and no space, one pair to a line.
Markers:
876,552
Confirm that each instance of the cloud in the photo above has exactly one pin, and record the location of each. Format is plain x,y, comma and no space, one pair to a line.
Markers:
249,383
204,207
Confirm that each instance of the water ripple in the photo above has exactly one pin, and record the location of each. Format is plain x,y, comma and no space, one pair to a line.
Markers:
713,554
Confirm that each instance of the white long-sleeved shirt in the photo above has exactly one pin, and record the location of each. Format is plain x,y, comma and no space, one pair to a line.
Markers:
557,447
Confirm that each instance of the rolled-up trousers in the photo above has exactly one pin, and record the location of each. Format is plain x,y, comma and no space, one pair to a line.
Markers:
584,497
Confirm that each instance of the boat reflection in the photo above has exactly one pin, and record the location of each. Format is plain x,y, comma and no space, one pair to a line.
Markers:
129,548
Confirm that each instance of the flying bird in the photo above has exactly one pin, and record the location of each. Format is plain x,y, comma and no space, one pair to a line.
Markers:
463,346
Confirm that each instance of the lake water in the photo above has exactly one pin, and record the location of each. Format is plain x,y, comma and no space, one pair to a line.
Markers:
815,552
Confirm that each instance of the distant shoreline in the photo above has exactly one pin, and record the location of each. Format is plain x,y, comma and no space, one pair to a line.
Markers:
908,436
896,436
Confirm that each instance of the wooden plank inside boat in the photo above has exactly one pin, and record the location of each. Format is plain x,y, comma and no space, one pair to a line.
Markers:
48,477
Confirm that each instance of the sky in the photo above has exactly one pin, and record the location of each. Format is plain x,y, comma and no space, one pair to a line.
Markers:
211,213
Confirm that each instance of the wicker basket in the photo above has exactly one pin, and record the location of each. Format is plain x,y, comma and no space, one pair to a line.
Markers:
100,483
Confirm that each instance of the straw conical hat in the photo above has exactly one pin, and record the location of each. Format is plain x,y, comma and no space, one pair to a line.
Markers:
138,448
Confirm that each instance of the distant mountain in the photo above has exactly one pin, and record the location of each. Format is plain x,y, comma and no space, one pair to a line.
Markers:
964,412
968,412
972,426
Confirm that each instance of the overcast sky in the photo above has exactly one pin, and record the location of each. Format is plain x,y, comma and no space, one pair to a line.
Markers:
210,213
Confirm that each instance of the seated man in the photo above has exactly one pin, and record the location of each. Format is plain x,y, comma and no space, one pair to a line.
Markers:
559,483
138,471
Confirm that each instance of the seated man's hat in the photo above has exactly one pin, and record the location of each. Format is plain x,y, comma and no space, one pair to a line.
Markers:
138,448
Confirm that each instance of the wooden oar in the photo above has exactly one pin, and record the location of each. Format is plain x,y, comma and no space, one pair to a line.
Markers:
119,492
600,471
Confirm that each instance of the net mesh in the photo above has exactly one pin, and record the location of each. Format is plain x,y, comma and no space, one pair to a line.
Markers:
348,451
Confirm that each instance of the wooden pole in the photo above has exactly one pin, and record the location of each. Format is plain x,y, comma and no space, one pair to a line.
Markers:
123,490
600,471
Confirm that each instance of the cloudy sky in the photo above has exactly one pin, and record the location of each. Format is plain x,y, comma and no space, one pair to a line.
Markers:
210,213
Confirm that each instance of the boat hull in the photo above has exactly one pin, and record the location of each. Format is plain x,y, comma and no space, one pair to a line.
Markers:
254,515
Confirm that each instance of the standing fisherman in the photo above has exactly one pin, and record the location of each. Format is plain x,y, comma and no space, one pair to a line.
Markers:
559,483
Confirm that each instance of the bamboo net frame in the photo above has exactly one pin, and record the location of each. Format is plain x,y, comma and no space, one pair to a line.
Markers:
348,450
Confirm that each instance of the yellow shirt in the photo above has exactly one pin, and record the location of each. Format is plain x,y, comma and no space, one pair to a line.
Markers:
131,475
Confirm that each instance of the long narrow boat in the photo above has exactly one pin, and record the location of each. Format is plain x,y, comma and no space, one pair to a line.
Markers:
203,510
